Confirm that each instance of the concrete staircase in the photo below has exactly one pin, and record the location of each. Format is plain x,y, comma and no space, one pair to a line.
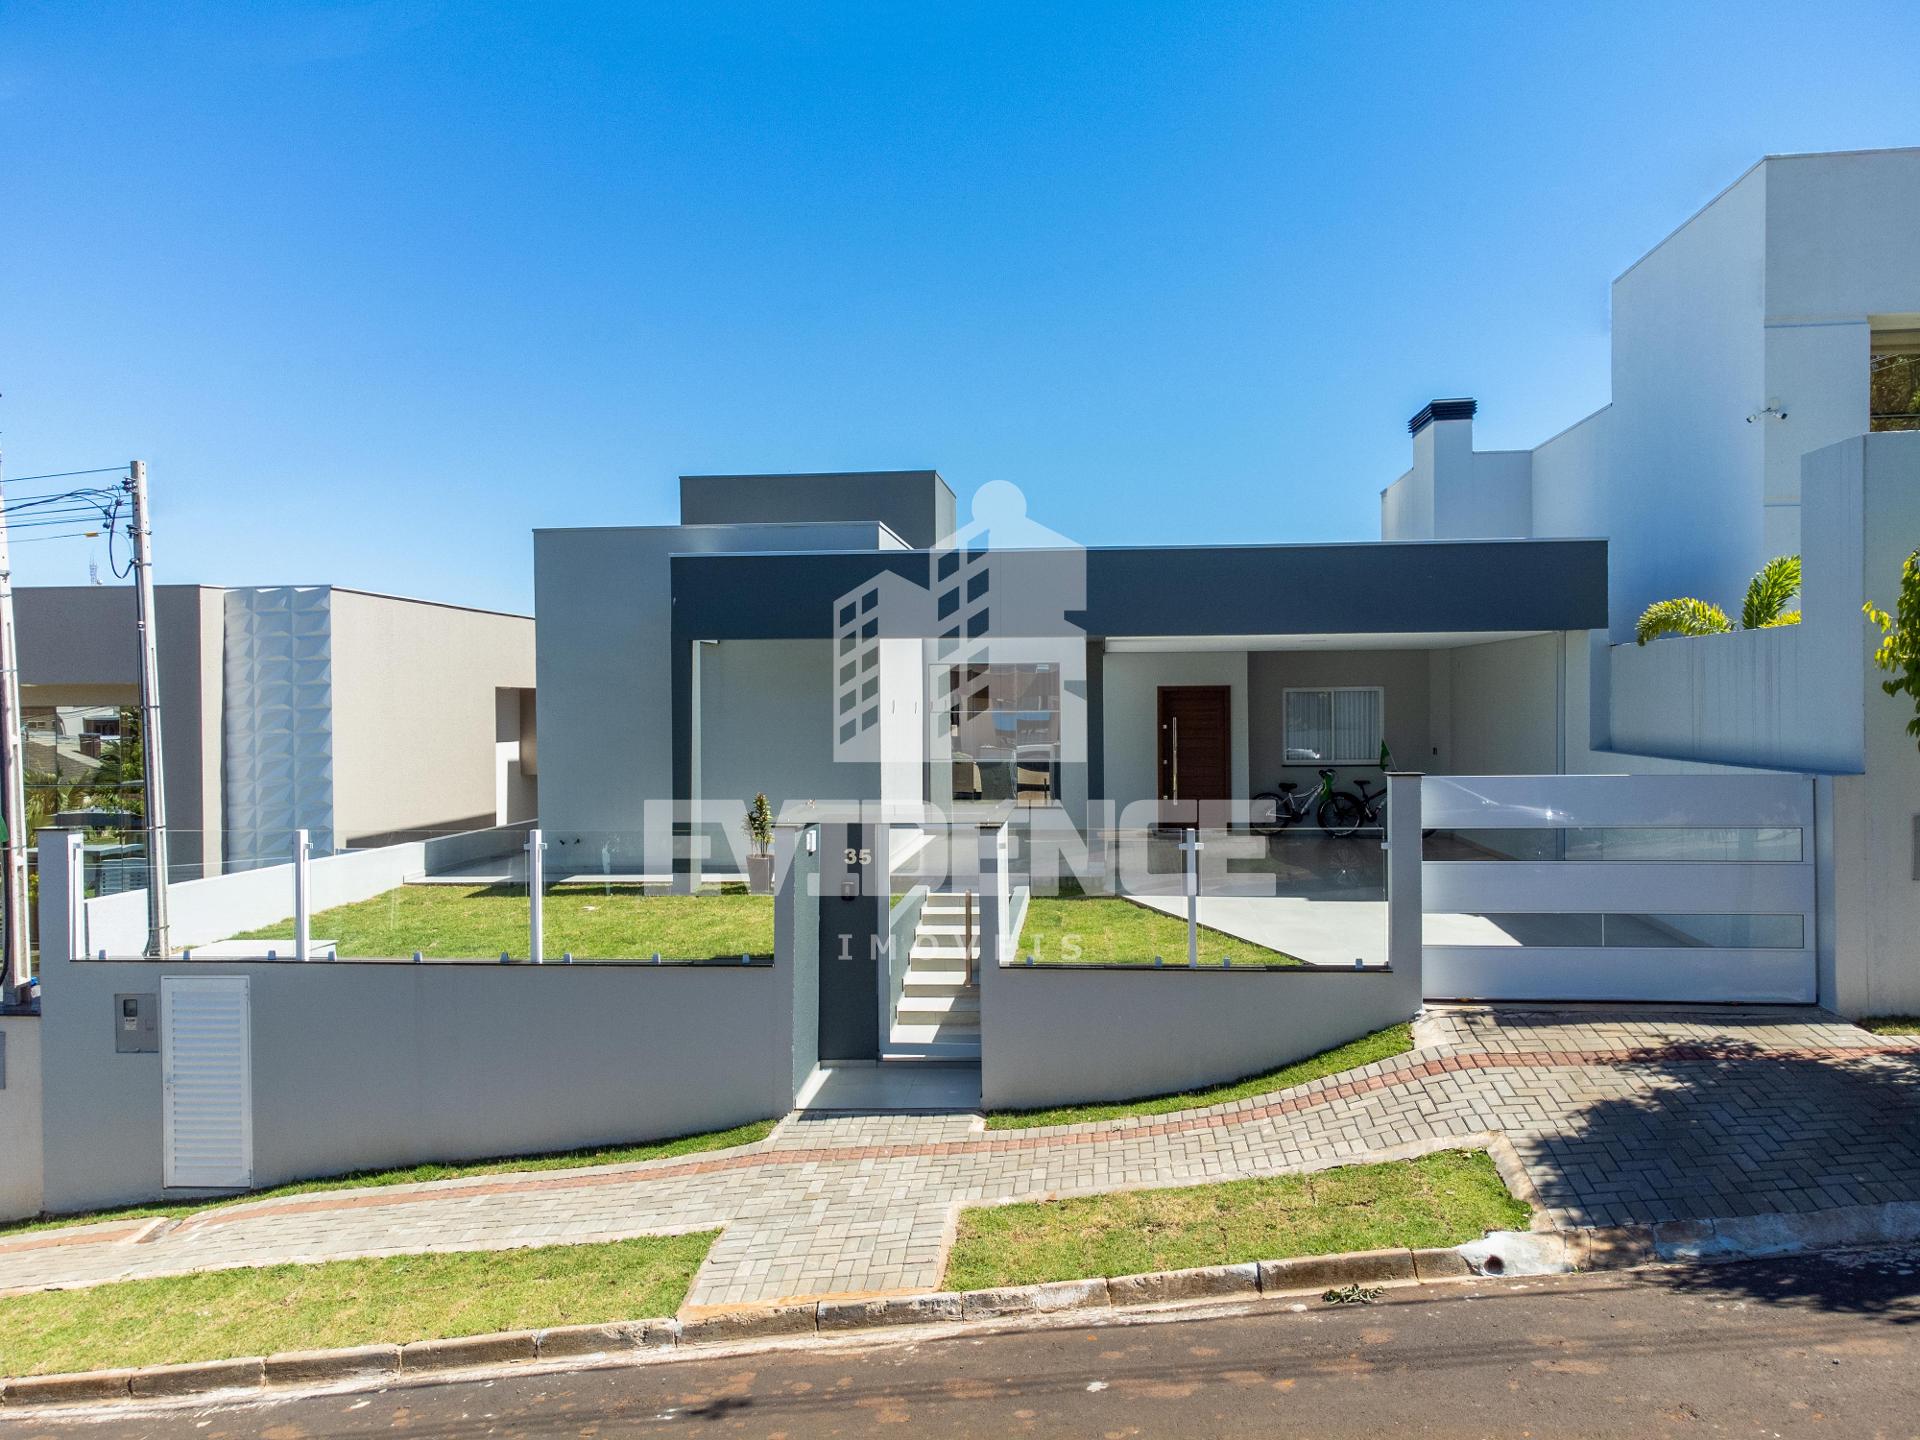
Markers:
938,1017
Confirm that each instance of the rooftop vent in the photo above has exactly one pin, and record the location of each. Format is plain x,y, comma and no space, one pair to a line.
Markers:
1442,410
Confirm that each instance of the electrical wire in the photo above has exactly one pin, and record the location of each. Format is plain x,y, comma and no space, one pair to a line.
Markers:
68,474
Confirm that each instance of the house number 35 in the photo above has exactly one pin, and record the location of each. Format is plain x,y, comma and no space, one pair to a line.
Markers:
859,857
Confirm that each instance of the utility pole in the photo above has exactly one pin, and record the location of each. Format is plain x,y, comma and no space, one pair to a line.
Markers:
13,780
157,943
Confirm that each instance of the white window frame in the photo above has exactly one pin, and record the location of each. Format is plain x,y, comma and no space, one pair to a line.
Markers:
1287,747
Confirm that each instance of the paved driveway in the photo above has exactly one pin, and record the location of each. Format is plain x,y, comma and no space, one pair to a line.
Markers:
1615,1116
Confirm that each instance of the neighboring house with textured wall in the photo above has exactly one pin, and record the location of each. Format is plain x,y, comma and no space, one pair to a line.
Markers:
355,716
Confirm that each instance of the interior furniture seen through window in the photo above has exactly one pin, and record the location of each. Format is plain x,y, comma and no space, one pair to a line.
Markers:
1337,726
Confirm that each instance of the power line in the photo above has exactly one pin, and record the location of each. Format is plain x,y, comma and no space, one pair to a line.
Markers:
65,474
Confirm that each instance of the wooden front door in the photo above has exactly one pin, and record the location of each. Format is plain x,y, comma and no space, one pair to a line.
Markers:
1196,755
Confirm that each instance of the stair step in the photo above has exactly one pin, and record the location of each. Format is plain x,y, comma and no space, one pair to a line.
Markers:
941,1007
921,977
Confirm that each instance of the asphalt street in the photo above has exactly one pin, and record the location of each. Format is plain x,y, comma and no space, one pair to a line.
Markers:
1817,1346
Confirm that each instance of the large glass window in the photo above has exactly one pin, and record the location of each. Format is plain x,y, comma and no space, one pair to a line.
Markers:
1004,725
1340,726
1895,394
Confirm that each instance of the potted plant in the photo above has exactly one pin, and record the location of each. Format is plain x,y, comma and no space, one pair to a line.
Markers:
759,828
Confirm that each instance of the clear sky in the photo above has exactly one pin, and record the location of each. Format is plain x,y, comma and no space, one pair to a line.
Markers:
377,289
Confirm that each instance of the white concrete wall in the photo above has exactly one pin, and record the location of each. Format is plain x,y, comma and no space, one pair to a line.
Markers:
1684,488
414,713
1453,492
20,1133
1569,480
1132,681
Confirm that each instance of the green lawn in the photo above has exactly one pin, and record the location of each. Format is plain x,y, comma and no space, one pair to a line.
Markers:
1891,1024
591,922
1076,929
1441,1199
415,1174
1380,1045
224,1313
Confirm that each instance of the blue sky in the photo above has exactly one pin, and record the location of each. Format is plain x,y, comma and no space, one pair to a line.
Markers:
377,289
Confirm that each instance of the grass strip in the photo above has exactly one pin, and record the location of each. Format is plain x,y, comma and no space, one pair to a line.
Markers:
219,1314
590,921
1379,1045
1440,1199
433,1170
1891,1024
1107,930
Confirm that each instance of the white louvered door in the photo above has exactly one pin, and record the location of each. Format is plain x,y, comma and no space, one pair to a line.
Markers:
206,1068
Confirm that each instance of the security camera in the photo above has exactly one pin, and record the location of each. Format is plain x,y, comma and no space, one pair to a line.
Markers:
1774,410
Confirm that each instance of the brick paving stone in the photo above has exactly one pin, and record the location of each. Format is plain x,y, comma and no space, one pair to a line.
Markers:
1616,1115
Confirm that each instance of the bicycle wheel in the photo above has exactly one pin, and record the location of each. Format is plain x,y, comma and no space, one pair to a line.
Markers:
1263,811
1341,815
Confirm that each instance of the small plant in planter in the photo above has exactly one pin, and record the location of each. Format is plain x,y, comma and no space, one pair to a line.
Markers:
759,828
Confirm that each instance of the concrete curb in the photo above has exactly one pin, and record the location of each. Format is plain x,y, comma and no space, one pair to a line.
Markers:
1499,1254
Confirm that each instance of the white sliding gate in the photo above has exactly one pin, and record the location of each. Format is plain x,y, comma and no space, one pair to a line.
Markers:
1619,887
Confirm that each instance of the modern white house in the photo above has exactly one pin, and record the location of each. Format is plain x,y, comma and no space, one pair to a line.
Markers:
840,638
957,710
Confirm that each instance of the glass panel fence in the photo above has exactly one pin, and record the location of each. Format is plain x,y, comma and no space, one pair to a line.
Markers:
612,896
1210,895
443,895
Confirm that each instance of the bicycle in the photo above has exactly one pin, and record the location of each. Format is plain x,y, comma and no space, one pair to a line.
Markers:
1289,805
1354,810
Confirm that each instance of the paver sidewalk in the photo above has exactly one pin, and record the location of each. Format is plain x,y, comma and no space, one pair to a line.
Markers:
1616,1117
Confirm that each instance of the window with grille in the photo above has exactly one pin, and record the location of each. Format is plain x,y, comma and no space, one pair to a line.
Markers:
1337,726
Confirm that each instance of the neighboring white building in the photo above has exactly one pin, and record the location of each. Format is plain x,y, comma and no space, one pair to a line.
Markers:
1743,425
358,717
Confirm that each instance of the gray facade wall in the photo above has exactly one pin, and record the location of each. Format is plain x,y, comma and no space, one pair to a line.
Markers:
21,1161
917,505
604,601
1056,1035
79,646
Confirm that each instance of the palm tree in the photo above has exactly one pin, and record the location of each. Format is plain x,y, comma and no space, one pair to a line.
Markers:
1765,607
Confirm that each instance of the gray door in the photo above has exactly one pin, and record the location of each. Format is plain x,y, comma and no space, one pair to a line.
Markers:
849,959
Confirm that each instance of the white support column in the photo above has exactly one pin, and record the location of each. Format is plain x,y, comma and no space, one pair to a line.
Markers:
536,884
992,917
1405,914
302,897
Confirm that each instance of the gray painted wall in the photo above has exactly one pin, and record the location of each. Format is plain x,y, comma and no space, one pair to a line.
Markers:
79,646
20,1101
917,505
1053,1035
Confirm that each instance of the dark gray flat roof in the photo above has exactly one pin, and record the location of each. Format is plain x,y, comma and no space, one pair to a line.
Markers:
1363,588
